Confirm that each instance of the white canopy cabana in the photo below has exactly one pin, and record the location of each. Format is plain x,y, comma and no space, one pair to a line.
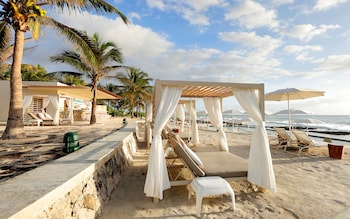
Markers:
165,99
52,94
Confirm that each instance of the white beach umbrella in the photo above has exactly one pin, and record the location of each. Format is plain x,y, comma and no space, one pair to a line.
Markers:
292,94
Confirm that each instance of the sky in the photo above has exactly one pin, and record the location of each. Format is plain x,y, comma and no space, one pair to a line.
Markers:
281,43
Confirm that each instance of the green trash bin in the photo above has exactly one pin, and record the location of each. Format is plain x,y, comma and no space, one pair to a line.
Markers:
71,142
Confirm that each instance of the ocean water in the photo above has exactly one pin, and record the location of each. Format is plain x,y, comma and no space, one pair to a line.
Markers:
336,127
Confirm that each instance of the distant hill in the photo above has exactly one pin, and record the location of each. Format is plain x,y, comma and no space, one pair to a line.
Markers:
230,112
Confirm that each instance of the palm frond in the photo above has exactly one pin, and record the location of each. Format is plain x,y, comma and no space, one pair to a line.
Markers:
5,35
72,58
58,73
99,6
75,36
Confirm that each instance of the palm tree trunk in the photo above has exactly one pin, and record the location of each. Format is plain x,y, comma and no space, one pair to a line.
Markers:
14,127
93,106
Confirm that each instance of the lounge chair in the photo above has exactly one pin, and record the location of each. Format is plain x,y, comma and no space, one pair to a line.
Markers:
304,141
33,119
47,119
285,139
218,163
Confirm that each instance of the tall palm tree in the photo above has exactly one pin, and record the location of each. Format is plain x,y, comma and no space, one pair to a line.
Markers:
28,15
94,62
135,88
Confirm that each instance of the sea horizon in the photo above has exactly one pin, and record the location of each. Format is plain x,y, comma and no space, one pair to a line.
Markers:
336,127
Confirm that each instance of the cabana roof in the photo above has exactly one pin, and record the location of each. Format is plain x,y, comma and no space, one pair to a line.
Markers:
207,89
198,89
82,92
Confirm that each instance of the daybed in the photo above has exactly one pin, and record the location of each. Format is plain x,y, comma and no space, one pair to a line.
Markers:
214,163
167,95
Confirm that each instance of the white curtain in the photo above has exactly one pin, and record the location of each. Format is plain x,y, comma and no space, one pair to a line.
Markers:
194,126
157,179
46,102
213,107
27,100
148,119
69,102
180,113
54,99
149,112
260,168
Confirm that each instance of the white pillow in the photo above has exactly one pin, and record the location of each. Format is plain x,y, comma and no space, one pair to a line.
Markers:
48,116
193,155
41,116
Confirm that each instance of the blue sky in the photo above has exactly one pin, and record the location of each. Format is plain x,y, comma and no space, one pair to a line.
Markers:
281,43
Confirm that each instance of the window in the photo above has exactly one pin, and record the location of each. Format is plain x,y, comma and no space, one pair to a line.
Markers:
36,105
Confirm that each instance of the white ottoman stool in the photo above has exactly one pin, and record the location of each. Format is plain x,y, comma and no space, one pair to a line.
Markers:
210,185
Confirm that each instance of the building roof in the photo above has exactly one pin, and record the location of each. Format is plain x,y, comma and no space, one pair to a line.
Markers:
80,92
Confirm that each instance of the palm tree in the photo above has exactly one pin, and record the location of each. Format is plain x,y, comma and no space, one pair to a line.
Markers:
94,62
135,88
28,15
68,77
34,73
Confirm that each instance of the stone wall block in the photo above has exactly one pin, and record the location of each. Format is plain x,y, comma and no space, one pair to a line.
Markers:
62,208
84,197
75,193
90,202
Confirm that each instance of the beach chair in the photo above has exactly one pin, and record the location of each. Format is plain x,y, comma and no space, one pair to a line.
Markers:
214,163
47,119
285,139
33,119
304,141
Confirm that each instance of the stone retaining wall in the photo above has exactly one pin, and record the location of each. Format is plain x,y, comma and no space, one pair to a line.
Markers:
74,186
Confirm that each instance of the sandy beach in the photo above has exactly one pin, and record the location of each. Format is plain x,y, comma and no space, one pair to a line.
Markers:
310,186
46,144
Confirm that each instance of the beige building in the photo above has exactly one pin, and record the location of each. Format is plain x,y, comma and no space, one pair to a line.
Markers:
60,102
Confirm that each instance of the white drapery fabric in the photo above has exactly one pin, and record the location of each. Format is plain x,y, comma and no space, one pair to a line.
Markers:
260,168
213,107
157,179
180,113
149,112
46,102
69,102
27,100
148,118
194,126
54,99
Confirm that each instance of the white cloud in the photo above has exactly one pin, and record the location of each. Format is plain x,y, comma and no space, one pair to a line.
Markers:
251,15
322,5
264,44
282,2
249,39
194,11
134,15
306,32
156,4
133,40
302,52
297,49
155,54
336,64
